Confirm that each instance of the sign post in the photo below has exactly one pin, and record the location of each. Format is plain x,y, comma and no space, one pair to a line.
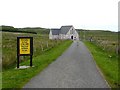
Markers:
24,48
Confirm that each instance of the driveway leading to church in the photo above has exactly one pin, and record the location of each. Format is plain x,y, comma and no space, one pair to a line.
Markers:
75,68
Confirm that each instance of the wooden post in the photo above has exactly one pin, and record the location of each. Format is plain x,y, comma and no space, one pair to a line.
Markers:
18,61
31,60
41,47
47,44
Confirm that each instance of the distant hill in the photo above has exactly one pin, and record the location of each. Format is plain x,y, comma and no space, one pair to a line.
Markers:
93,30
86,34
38,30
33,30
8,28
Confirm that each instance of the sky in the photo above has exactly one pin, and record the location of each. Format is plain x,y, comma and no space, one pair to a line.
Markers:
82,14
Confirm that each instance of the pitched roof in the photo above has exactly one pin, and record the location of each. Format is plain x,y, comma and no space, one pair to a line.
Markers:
55,31
65,29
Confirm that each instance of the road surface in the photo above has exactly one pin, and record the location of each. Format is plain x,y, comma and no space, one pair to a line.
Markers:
75,68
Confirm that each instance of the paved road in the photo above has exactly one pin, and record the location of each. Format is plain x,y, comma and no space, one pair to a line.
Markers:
75,68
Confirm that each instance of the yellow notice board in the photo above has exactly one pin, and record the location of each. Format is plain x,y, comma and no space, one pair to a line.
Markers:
24,45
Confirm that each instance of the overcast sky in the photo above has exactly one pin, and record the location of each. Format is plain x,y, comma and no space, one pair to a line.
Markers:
82,14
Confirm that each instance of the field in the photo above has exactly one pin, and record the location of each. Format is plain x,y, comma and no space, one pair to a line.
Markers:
13,78
0,59
44,52
107,40
102,44
41,43
104,47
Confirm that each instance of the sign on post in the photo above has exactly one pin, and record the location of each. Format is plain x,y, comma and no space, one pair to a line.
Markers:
24,48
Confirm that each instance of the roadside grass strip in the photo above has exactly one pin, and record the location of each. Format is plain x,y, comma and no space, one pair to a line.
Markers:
107,62
17,78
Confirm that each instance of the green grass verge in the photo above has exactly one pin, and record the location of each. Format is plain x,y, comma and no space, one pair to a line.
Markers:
0,80
107,62
14,78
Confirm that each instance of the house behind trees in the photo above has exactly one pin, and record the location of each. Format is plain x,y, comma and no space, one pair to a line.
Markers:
65,32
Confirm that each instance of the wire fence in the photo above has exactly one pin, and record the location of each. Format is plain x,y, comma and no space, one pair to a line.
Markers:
41,43
108,41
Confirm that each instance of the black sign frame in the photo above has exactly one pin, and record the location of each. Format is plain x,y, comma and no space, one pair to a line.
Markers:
18,50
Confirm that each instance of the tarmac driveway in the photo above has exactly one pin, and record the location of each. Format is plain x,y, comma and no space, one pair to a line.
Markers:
75,68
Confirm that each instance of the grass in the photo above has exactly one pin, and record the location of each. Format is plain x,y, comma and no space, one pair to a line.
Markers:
0,59
107,40
0,80
107,62
14,78
41,43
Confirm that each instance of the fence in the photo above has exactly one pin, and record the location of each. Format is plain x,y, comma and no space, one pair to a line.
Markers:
41,43
105,44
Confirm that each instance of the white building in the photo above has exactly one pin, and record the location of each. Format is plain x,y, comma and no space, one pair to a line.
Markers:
65,32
